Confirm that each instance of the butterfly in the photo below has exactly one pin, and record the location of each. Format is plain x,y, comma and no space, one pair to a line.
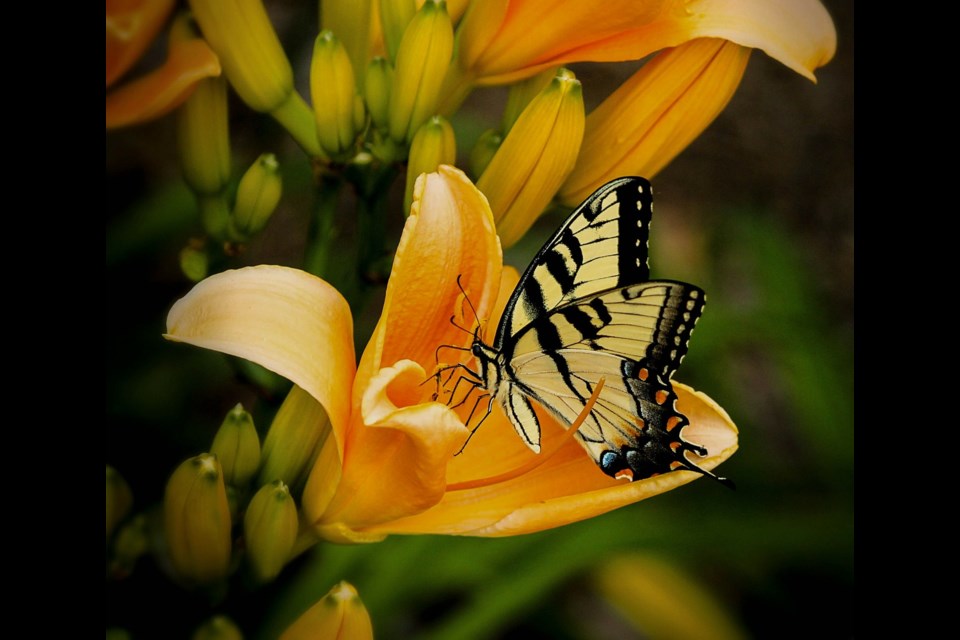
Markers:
585,310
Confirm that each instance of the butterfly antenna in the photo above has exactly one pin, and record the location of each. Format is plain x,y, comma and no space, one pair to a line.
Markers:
476,316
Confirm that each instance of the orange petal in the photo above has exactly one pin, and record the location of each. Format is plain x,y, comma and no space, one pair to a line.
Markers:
449,234
131,26
395,461
163,89
536,34
568,487
656,114
286,320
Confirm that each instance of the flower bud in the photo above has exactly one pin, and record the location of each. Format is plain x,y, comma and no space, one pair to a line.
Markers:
203,138
535,158
253,60
119,499
131,543
422,62
197,520
351,20
520,95
294,440
339,614
237,447
257,197
332,90
194,262
395,15
376,90
433,145
270,528
484,150
218,628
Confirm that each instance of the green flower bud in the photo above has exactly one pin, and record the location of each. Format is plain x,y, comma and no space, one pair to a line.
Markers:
132,541
119,499
339,614
332,90
257,197
376,90
294,440
395,15
218,628
270,527
422,62
194,262
203,137
433,145
197,521
237,447
484,150
215,214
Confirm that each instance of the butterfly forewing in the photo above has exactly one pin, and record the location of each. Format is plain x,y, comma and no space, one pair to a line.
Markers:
601,246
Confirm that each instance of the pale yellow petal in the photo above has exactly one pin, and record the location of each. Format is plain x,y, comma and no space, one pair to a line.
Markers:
284,319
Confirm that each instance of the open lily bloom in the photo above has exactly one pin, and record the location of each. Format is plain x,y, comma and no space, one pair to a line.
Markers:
395,470
132,26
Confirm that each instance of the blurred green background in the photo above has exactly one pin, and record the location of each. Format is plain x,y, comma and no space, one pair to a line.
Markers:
758,211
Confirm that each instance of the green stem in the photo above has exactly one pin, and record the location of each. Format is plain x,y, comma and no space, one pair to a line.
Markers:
298,119
323,228
372,190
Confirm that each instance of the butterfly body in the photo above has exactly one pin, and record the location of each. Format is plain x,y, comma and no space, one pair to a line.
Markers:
585,310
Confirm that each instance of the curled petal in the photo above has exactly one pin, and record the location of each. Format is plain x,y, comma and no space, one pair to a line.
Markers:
519,40
449,234
131,26
395,461
163,89
655,114
286,320
567,487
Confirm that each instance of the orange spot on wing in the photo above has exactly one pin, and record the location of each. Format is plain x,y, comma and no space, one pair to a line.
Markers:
661,396
644,373
672,423
624,474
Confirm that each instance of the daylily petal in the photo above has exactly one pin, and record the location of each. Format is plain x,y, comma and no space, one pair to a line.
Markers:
655,114
163,89
395,463
286,320
449,233
131,26
531,35
568,486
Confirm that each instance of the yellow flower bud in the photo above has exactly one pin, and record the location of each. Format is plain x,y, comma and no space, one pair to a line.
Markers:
535,157
237,447
253,60
376,90
270,528
249,50
339,614
257,196
294,440
197,521
203,137
484,150
119,499
332,91
422,62
194,262
521,93
218,628
351,21
433,145
395,15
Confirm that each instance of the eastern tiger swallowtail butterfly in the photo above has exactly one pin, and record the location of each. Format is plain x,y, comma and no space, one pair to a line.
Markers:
585,309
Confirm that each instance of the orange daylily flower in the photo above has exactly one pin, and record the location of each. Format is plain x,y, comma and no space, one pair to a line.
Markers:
132,26
506,40
395,470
